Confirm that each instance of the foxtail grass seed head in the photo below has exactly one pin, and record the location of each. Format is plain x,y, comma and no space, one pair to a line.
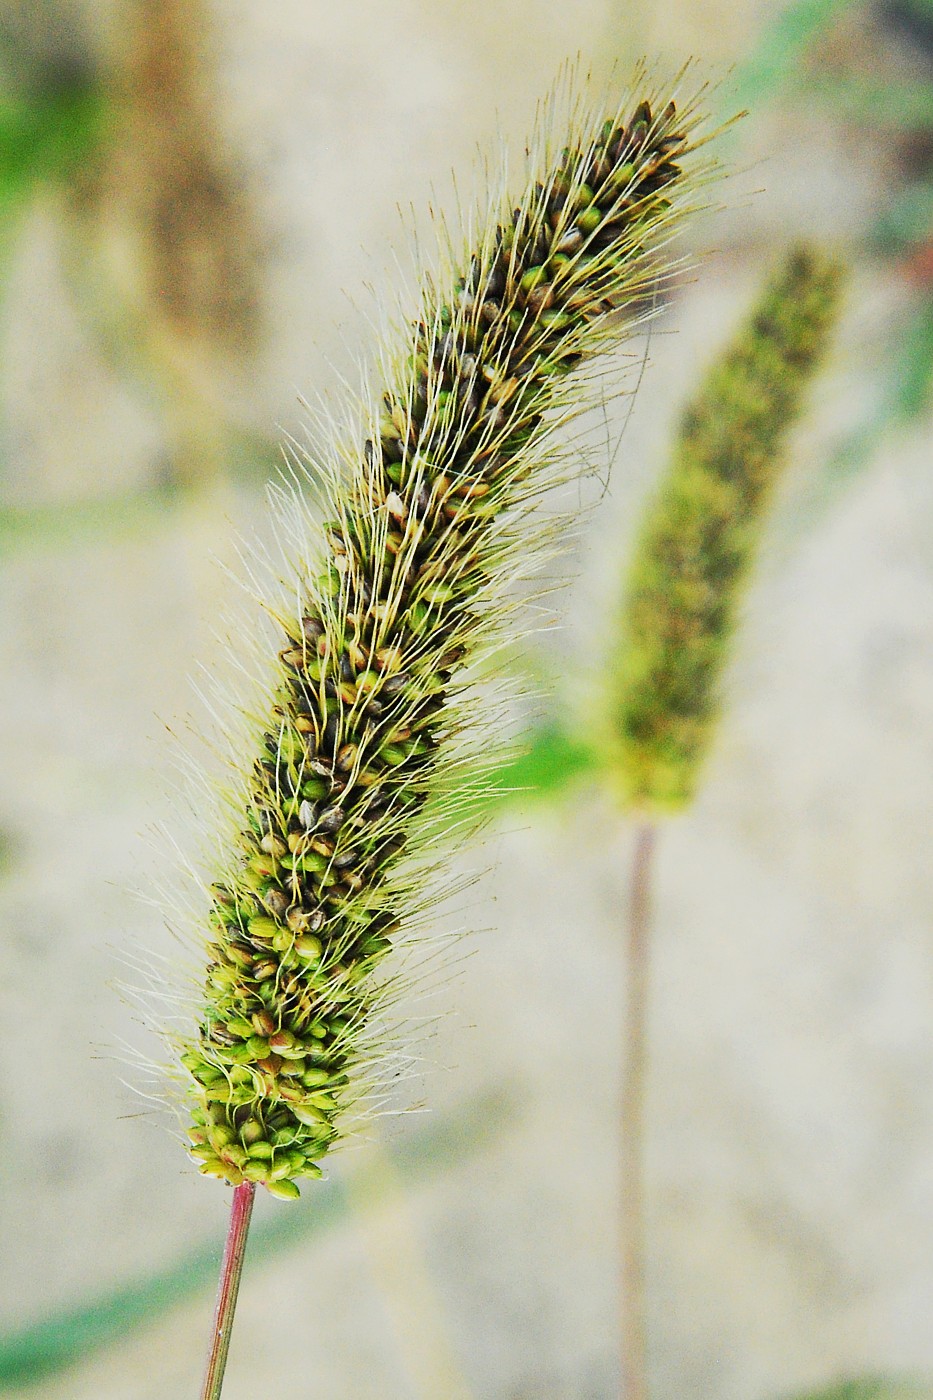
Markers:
430,514
700,535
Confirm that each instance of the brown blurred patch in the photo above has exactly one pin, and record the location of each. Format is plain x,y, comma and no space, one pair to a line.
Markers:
197,238
164,233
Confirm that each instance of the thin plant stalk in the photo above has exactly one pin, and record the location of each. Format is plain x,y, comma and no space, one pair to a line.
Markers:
635,1062
231,1269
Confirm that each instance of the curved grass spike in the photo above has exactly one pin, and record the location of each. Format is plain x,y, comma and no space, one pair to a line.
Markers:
681,603
700,536
331,852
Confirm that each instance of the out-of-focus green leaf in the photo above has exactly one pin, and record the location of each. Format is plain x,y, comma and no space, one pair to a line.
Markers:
872,1388
902,106
45,135
9,849
253,461
550,762
65,1338
62,524
779,50
912,380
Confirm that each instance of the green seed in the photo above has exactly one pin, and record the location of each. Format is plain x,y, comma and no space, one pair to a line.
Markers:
262,1150
309,948
284,1043
263,865
311,863
309,1113
532,278
220,1092
262,929
437,593
314,1077
285,1190
314,788
323,1101
213,1166
224,977
256,1171
239,1026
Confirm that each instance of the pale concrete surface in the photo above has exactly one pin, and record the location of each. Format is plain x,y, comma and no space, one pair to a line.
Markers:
791,1132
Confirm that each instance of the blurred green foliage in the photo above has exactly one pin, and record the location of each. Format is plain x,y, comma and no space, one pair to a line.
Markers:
63,1339
782,45
872,1388
46,135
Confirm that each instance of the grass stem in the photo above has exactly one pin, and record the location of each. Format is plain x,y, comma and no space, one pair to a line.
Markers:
632,1216
231,1268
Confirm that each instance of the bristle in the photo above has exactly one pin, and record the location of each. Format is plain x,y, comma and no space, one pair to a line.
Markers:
702,531
361,755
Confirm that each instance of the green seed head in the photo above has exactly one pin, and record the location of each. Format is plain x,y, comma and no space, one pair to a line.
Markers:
700,535
357,763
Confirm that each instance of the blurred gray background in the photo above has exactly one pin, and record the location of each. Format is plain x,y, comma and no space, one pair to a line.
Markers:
472,1253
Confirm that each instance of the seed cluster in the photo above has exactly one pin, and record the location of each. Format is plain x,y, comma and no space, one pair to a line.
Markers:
363,709
700,535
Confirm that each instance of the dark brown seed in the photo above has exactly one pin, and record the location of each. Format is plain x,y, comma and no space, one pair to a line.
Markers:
571,241
276,902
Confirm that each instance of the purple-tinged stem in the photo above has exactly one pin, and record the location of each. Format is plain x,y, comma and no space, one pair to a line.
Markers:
231,1268
632,1211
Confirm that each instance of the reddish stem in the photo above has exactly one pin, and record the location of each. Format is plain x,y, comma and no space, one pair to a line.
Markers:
231,1268
632,1222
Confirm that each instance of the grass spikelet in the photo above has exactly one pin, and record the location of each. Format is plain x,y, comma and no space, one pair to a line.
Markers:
700,536
429,514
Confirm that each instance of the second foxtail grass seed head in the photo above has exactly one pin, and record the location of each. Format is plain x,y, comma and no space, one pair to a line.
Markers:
430,510
681,604
700,535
